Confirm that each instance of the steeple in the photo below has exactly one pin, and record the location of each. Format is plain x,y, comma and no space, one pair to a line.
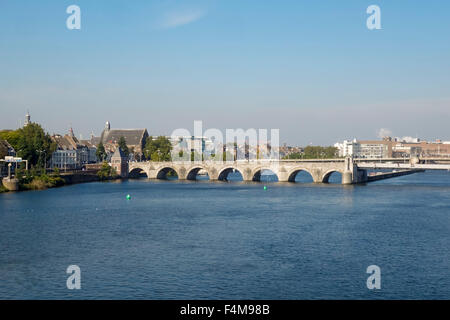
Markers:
71,132
27,119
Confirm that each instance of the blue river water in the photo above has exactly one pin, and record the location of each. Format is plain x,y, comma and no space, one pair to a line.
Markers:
228,240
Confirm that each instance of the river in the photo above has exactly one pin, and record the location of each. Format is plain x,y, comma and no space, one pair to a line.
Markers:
228,240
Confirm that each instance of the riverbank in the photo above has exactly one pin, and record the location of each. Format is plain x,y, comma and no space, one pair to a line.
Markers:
44,181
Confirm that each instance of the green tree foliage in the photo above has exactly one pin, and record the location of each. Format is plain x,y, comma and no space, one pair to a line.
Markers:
38,179
3,149
123,146
315,152
295,155
101,153
31,143
106,172
12,136
158,149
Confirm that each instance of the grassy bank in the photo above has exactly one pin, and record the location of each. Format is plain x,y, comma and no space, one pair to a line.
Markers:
38,179
40,182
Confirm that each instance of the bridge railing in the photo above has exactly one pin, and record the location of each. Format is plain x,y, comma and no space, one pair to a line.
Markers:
254,161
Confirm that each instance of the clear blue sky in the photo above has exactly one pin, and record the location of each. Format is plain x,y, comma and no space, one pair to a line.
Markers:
310,68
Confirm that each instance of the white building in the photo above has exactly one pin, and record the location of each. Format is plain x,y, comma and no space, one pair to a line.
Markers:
364,149
347,147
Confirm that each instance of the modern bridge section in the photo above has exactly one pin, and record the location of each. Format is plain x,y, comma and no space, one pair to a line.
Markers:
393,174
411,166
320,170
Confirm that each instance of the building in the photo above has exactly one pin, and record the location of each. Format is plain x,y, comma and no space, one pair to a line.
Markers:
372,149
27,119
135,139
92,150
70,153
119,162
346,148
406,147
423,149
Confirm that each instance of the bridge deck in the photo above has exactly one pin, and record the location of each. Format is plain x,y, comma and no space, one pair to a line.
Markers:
388,175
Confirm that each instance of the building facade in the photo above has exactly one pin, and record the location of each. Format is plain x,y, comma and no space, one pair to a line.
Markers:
70,153
119,162
394,148
370,149
135,139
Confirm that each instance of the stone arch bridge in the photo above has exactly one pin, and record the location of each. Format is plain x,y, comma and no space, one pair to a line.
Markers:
285,170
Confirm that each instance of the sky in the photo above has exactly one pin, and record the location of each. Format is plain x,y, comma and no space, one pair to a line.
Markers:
311,69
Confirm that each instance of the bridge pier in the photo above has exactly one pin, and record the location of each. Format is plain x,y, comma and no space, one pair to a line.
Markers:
347,177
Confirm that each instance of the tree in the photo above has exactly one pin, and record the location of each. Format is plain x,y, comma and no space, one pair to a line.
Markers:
101,153
12,136
106,172
123,146
158,149
3,149
295,155
33,144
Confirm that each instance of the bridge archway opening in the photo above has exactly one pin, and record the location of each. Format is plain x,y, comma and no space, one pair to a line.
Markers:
198,174
301,176
231,174
167,174
332,177
137,173
265,175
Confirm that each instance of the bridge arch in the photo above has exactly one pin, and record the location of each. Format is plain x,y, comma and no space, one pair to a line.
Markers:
326,176
192,172
256,174
163,172
293,174
137,172
223,173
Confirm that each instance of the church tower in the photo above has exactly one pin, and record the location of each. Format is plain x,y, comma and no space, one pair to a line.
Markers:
71,134
27,119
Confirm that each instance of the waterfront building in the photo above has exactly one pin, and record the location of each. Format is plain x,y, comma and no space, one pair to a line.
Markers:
92,151
71,153
406,147
346,148
374,149
119,162
135,139
424,149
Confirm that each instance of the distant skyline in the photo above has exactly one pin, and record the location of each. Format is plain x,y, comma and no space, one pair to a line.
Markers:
311,69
